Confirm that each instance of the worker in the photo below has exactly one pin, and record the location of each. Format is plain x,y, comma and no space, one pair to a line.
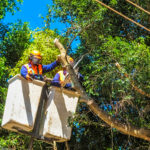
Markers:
34,69
61,77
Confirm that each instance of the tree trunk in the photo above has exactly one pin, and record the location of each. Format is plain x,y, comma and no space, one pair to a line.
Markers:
122,127
67,145
54,145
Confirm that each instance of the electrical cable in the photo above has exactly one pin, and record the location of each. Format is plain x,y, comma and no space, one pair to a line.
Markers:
146,11
127,18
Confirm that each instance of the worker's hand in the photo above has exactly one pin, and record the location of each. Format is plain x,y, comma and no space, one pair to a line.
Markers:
67,79
29,78
62,83
58,58
48,80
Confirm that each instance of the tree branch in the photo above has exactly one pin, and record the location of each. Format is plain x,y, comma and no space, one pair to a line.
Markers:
82,29
132,83
122,127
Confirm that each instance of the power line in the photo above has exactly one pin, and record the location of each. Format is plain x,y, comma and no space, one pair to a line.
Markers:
127,18
138,7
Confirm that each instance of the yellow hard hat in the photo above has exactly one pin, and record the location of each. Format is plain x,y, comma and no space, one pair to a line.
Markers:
36,54
70,60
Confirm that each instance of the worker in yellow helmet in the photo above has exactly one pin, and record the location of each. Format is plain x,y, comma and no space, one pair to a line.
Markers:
34,69
59,79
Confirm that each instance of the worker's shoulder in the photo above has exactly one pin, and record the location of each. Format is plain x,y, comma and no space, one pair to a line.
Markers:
25,66
61,71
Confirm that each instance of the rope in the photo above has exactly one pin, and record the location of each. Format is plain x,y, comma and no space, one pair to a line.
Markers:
138,7
127,18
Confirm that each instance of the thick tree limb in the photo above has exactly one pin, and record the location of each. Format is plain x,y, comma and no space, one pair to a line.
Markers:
122,127
70,70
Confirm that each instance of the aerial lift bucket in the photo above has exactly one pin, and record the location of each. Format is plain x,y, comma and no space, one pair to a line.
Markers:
21,105
61,104
29,111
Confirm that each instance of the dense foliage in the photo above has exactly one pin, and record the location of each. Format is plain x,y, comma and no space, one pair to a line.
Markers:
16,39
8,6
16,43
3,83
42,41
105,38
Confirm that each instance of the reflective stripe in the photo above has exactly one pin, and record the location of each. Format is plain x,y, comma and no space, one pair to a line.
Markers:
34,70
62,76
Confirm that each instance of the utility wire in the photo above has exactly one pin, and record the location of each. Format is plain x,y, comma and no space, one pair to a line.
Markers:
146,11
138,24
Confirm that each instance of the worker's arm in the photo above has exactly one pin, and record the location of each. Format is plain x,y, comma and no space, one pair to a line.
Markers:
56,80
68,85
80,77
24,73
49,67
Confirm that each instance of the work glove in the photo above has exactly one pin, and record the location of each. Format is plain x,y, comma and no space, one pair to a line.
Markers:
58,58
67,80
29,78
62,83
48,80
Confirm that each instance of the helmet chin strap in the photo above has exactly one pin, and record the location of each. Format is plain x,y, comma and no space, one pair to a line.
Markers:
35,60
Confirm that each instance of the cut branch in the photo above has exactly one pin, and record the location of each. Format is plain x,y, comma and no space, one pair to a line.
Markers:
82,29
70,70
121,126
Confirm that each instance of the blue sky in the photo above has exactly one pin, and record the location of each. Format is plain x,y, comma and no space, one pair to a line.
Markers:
30,11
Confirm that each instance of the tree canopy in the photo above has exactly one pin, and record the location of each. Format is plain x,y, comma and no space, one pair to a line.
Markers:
107,39
115,67
8,6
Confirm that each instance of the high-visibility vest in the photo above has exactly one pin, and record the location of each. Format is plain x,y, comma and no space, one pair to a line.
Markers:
34,69
62,76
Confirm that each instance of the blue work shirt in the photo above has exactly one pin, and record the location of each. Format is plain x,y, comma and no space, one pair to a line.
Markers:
56,80
45,68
